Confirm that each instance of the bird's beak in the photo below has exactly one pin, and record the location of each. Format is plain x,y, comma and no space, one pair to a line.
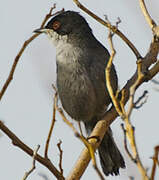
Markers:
40,30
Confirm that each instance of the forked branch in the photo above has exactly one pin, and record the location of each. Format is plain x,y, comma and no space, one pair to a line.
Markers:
17,142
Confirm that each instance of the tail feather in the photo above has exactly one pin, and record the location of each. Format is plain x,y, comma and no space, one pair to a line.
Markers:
110,157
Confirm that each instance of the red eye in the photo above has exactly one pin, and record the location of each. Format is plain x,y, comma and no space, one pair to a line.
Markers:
56,25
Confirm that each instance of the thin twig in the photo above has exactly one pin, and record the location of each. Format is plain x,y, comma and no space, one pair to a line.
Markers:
111,115
10,77
17,58
141,100
48,15
129,132
84,140
107,75
61,155
112,28
145,12
52,125
129,128
140,76
67,122
100,175
103,125
125,144
17,142
154,27
155,161
33,164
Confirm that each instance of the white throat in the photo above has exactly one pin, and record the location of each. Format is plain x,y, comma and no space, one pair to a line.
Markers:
65,52
55,38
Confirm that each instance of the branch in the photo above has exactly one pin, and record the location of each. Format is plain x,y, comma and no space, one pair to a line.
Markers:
85,141
61,154
52,125
10,77
17,58
17,142
154,27
129,132
107,75
125,144
155,161
109,117
148,18
141,100
33,164
111,27
140,76
103,125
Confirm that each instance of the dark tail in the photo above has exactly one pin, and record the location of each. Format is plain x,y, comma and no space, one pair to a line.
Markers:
110,157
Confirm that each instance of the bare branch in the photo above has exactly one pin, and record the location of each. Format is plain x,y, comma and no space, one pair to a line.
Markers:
140,76
129,132
112,28
148,18
155,161
10,77
17,58
103,125
98,172
125,145
129,128
107,75
61,155
109,117
17,142
84,140
85,157
33,164
52,125
154,27
141,100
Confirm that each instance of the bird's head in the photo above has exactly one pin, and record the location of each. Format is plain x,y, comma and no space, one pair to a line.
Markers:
67,24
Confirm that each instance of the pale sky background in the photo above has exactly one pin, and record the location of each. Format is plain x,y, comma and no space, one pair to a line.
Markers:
26,107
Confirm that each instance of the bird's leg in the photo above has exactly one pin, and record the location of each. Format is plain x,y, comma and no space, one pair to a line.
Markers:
88,145
91,150
94,137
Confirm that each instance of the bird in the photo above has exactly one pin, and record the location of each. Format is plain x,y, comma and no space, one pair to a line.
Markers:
81,61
